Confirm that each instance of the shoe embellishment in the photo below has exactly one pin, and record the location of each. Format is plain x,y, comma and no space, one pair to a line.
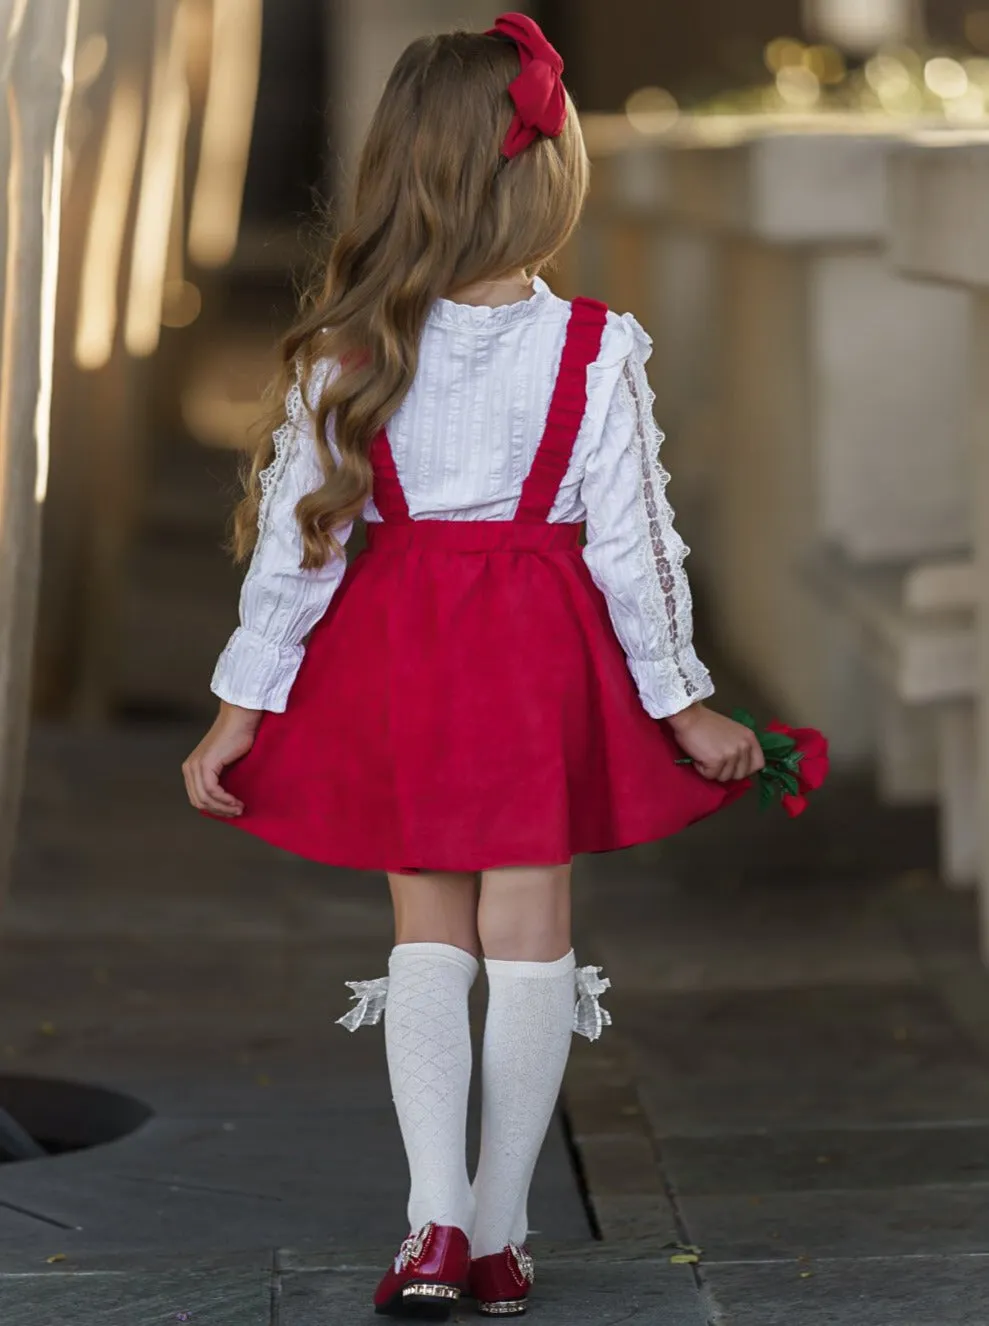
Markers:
589,1018
371,997
413,1248
524,1263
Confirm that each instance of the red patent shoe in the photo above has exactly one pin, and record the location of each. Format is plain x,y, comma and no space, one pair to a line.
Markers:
430,1272
501,1282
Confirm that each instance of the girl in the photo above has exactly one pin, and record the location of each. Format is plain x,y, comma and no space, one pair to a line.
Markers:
480,697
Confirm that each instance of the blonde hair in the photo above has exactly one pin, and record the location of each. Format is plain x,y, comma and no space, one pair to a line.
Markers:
435,209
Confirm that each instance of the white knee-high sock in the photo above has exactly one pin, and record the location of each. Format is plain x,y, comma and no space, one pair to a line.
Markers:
526,1044
427,1039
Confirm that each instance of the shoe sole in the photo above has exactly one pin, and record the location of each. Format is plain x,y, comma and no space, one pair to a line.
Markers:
422,1301
508,1307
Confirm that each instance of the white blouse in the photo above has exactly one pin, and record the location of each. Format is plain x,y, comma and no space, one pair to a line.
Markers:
463,440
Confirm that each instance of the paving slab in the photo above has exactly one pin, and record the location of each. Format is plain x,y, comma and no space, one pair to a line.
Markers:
203,1292
882,1222
151,951
566,1293
684,944
245,1182
921,1291
826,1056
18,1223
802,1160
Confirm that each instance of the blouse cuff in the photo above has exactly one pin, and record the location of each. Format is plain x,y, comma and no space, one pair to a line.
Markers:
670,684
255,673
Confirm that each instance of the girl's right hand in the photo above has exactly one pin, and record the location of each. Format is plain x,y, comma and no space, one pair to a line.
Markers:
720,748
231,736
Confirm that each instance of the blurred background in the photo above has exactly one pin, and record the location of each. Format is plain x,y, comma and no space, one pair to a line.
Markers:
791,195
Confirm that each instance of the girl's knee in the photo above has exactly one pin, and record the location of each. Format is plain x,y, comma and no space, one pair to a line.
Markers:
436,908
524,913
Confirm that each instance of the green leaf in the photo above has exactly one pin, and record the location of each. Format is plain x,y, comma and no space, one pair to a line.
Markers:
789,781
776,743
744,717
767,794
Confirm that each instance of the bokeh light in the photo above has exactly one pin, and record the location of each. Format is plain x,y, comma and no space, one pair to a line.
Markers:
652,110
860,26
826,63
783,53
90,60
887,76
182,303
946,78
798,87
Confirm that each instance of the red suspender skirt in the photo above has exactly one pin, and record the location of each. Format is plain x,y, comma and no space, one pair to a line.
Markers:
465,703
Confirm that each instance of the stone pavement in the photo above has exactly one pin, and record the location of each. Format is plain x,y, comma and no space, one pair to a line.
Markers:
160,954
797,1081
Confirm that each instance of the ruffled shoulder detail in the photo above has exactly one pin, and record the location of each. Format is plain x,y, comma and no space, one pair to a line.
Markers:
641,338
623,336
623,343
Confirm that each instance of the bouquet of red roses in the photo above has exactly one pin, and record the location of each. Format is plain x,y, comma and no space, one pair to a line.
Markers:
797,762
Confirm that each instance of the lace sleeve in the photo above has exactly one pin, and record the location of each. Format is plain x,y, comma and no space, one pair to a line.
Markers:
285,440
635,554
279,602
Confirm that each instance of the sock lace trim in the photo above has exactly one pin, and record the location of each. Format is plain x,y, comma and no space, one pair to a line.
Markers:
369,1007
589,1018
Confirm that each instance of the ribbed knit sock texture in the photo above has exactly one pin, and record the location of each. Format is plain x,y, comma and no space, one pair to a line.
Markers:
527,1039
427,1038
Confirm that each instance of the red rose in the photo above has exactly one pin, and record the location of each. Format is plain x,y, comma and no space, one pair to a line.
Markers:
813,767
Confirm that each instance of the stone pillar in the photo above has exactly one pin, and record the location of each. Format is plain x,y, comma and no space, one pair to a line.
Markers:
37,42
99,389
633,251
939,219
835,375
979,422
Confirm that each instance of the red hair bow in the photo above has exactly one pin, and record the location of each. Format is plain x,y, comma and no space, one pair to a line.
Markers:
540,102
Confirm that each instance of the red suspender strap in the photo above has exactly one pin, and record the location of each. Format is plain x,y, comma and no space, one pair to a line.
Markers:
388,495
566,410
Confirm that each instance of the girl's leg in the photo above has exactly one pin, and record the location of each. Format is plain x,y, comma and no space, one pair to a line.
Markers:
427,1038
437,908
524,926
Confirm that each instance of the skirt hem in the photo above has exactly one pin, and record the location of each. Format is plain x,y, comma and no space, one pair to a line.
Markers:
494,861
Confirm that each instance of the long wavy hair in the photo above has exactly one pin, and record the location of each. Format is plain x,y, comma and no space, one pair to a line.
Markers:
435,209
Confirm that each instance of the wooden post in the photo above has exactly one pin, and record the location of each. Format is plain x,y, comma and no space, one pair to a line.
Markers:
37,44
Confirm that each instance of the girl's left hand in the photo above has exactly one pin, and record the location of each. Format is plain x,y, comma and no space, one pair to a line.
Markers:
720,748
230,737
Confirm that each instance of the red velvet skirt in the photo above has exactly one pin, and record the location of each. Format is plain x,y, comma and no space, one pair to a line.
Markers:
465,704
